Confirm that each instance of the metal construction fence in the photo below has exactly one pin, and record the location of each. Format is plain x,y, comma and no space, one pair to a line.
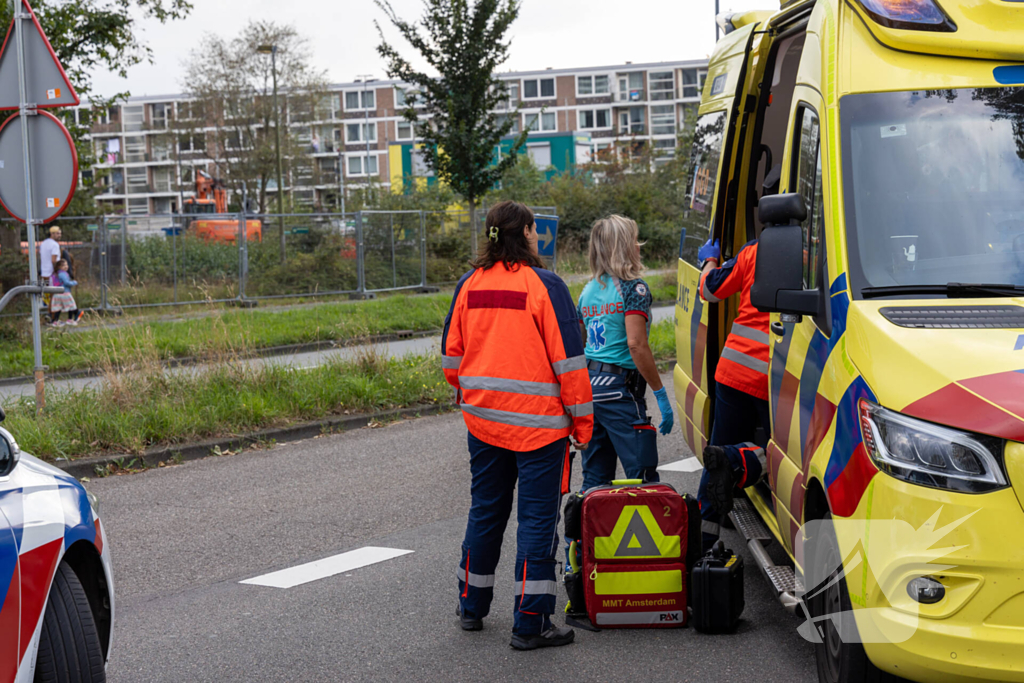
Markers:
135,261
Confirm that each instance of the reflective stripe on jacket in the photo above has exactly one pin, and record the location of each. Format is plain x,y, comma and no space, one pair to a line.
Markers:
744,361
512,347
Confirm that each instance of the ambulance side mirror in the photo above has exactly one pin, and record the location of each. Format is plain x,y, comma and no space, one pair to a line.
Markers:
778,274
9,453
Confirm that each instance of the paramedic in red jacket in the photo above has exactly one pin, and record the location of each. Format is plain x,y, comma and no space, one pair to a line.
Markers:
513,350
741,392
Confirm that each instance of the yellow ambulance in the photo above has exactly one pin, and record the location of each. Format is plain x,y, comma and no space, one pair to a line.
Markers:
875,148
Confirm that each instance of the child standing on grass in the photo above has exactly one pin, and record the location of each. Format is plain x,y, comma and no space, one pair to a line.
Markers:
64,301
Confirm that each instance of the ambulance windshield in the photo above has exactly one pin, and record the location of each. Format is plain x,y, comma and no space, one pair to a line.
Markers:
933,183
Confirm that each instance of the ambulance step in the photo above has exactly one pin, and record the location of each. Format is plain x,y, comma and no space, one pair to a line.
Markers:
782,578
746,520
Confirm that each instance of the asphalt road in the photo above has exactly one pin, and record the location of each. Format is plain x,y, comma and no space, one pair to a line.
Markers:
183,538
405,347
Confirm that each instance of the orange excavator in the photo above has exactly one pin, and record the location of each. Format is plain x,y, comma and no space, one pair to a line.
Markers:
211,199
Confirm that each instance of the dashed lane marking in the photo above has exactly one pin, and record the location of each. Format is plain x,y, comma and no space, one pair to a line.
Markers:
685,465
328,566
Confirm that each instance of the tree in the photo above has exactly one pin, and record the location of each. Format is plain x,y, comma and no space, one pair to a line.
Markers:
86,35
464,43
232,83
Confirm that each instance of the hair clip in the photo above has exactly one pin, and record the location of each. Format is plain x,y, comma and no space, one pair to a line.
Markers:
492,234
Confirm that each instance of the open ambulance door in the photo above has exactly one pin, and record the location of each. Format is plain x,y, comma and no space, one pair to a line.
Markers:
715,134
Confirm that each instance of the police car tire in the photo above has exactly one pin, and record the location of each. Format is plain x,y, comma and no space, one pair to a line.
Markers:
851,663
69,644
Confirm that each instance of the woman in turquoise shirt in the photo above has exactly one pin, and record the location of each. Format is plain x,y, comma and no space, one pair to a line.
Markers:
615,310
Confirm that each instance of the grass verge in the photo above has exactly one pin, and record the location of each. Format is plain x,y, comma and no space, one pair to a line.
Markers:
233,332
134,411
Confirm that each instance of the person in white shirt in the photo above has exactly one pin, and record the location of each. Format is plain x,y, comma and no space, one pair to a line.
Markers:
49,254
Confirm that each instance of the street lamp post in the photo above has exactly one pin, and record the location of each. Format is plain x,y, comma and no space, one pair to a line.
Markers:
272,51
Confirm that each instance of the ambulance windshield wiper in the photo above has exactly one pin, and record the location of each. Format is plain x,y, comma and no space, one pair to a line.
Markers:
952,290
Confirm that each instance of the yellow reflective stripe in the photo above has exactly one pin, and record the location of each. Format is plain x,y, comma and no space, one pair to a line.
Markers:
636,583
636,536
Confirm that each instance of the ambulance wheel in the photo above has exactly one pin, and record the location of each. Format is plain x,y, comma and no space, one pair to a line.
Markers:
69,644
838,661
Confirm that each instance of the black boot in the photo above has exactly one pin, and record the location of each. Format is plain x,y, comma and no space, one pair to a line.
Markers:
469,623
720,479
553,637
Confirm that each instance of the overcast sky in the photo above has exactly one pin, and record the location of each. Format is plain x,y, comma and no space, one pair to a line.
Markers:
555,33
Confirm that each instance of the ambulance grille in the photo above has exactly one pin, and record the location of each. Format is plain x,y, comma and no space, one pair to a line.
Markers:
956,317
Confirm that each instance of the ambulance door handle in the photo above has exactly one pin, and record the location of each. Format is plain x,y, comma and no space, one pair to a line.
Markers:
778,328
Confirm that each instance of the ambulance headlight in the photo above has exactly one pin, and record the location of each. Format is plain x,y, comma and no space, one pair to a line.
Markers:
931,455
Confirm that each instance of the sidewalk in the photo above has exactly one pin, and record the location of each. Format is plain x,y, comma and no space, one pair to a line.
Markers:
297,361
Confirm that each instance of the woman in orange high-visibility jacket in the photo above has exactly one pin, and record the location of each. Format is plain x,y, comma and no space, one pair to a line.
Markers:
513,350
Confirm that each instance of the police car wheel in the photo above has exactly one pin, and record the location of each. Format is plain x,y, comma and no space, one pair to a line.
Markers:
838,661
69,644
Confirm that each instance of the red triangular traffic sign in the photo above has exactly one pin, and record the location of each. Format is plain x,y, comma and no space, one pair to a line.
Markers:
46,84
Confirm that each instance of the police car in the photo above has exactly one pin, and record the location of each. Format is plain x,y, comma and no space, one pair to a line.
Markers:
56,588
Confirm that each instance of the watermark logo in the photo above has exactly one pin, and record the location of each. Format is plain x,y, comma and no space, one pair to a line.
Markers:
876,560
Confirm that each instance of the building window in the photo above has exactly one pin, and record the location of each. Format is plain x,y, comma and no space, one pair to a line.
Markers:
631,87
138,182
513,94
662,85
159,113
162,179
356,165
404,131
232,140
138,205
360,99
501,118
190,111
591,85
360,132
537,88
595,119
133,118
543,122
632,122
161,148
135,149
192,143
693,82
540,153
663,119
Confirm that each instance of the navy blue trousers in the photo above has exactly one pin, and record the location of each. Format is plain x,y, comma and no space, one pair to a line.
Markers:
495,471
737,417
622,430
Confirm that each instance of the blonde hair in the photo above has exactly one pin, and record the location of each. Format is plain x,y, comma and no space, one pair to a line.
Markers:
614,248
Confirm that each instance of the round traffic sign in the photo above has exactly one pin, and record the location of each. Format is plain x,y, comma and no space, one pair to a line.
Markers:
54,161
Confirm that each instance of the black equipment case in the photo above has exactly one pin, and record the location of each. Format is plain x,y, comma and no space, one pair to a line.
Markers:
717,585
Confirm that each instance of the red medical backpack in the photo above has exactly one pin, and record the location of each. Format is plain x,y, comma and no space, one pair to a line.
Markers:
639,542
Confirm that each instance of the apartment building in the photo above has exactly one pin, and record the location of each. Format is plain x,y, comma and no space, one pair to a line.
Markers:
151,146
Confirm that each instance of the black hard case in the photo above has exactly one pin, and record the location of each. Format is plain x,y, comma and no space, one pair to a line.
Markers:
717,585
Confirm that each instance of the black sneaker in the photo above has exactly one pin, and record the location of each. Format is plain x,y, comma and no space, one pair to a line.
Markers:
720,479
553,637
469,623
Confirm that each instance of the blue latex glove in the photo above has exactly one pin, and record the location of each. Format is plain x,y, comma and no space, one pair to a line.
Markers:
665,406
709,250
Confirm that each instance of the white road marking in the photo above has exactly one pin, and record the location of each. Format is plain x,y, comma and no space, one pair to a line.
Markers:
329,566
686,465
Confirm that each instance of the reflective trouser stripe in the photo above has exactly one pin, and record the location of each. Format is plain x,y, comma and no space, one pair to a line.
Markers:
636,583
740,358
623,618
712,528
512,386
451,362
569,364
581,409
749,333
562,421
537,587
476,580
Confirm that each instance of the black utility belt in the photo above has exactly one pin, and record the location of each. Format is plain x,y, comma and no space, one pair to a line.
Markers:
598,366
635,382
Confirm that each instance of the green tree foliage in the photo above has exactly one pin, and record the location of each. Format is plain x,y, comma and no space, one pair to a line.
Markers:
87,36
464,42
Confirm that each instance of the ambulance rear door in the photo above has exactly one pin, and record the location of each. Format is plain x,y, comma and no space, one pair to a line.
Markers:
706,201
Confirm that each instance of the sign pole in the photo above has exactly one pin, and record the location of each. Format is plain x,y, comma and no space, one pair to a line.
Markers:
25,109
